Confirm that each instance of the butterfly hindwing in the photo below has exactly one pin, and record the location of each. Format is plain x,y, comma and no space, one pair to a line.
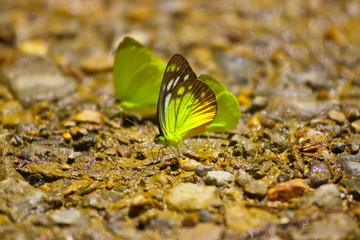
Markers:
136,71
192,108
176,72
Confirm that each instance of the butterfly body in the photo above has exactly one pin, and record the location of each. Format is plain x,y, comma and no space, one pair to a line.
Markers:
186,106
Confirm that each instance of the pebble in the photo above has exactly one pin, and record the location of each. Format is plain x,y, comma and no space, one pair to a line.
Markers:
95,200
11,113
243,219
97,62
76,186
219,178
256,189
70,216
34,79
7,170
189,165
243,147
18,196
191,197
34,47
205,215
353,115
355,126
110,151
353,143
259,103
319,173
85,143
202,170
88,116
337,116
242,178
78,132
203,231
287,190
66,136
327,197
351,168
331,226
338,147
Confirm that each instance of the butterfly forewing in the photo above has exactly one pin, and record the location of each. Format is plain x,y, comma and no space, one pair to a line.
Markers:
192,108
177,71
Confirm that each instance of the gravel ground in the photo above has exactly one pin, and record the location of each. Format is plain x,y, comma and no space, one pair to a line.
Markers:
73,166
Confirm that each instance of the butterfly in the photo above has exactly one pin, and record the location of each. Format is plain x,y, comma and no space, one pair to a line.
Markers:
138,73
186,105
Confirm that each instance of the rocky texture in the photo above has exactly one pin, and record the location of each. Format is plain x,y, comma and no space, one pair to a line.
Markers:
188,196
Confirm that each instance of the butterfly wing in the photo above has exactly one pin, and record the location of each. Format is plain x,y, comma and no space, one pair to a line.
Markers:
137,77
228,113
176,72
191,109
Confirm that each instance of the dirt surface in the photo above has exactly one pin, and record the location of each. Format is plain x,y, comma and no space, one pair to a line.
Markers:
73,166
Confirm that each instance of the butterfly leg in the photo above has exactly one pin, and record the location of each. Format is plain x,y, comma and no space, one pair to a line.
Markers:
158,158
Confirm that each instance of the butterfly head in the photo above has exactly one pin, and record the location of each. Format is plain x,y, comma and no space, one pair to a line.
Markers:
160,139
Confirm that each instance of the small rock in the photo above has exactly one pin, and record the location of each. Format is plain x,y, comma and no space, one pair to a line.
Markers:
95,200
97,62
268,122
327,197
242,178
355,126
89,116
351,168
331,226
319,173
19,200
189,165
34,79
73,156
205,215
287,190
85,143
67,136
190,197
243,147
337,116
204,231
68,217
76,186
338,147
77,132
7,170
34,47
202,170
353,143
244,219
256,189
219,178
110,151
258,103
11,113
353,115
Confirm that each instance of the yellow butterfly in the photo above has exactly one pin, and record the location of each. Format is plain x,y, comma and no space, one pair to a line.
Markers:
186,106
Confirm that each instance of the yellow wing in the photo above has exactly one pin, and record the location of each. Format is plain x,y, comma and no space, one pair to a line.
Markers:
191,109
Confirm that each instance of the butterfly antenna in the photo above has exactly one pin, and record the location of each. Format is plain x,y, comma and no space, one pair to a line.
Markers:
185,145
